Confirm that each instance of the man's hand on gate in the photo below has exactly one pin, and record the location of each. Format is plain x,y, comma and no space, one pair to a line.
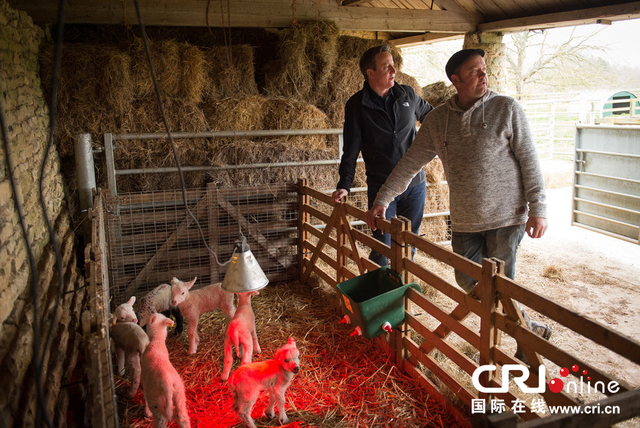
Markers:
375,211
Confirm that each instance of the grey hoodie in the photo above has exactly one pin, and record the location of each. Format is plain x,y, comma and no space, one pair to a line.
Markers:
493,172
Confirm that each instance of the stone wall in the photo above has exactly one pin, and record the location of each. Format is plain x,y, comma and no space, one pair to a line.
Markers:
25,113
495,57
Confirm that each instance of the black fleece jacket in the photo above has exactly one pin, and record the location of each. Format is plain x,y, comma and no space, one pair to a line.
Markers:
368,128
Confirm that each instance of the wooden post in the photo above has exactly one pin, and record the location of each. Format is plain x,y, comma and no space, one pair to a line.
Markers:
303,218
398,251
486,289
341,239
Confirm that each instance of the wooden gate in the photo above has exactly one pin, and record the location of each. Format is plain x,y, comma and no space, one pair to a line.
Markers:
442,348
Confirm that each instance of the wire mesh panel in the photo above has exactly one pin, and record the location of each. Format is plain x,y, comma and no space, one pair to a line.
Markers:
152,237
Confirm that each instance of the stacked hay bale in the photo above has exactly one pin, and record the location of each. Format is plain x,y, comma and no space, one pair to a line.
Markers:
108,88
437,93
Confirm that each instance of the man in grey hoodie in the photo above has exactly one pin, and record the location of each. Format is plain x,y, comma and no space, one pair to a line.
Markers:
492,168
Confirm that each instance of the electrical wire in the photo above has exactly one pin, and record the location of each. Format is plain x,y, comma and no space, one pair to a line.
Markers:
173,146
53,114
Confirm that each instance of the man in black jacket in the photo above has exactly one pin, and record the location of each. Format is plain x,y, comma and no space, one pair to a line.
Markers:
380,123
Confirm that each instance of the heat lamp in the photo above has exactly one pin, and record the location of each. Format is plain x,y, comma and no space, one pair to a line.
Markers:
244,273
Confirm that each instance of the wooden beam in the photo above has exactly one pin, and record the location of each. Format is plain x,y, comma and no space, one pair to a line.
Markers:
618,12
262,14
355,2
425,39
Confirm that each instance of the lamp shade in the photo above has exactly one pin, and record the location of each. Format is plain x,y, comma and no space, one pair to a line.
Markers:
244,273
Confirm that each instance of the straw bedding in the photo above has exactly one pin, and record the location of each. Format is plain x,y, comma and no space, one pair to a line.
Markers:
343,381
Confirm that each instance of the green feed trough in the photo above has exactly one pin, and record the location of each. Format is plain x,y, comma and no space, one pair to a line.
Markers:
373,299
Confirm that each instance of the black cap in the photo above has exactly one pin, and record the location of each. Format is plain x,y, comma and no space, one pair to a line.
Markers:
460,57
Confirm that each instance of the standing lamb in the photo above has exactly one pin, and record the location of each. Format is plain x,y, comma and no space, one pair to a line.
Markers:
195,303
164,391
241,333
131,341
158,300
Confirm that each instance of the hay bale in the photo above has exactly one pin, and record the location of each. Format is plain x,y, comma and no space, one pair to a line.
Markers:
290,113
165,56
437,93
244,151
335,114
236,114
306,58
230,72
345,81
145,116
405,79
434,171
194,70
350,47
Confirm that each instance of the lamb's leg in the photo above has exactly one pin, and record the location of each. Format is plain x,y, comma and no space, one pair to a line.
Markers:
256,345
134,362
120,358
193,336
245,415
182,414
281,412
159,420
272,402
248,353
147,411
228,358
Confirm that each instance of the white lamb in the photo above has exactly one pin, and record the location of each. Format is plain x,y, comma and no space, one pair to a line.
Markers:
131,341
158,300
125,313
164,392
195,303
241,333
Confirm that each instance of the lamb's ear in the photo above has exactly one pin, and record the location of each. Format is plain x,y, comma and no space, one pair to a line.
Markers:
291,341
174,280
190,283
114,320
168,322
152,320
132,300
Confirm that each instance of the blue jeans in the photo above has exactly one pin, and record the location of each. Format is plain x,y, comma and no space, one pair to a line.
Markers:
409,204
500,243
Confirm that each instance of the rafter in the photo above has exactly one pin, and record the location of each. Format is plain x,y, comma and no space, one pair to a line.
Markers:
563,19
426,38
265,14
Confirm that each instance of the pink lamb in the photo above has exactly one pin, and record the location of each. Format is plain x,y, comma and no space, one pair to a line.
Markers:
164,392
241,333
195,303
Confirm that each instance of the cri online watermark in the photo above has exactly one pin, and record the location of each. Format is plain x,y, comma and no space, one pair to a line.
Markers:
556,385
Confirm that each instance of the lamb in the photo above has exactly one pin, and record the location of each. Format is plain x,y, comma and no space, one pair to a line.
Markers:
131,341
158,300
195,303
241,333
164,391
125,313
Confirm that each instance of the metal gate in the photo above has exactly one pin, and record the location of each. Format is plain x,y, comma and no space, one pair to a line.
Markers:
606,191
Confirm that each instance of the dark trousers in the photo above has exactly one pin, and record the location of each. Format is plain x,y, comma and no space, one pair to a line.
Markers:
409,204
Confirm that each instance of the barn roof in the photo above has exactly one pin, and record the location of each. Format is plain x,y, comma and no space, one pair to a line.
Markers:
408,21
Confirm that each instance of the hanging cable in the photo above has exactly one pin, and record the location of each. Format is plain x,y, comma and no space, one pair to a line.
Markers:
53,114
173,146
